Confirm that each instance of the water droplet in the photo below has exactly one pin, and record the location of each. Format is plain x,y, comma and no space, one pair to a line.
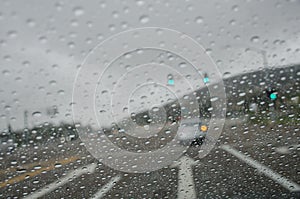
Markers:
39,137
13,162
242,94
78,11
26,63
140,2
61,92
128,55
30,22
104,92
52,82
213,99
254,39
12,34
115,14
232,22
235,8
199,20
6,72
208,51
226,75
144,19
37,167
43,39
182,65
37,114
155,109
58,165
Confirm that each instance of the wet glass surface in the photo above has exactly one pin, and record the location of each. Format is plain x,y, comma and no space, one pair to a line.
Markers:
140,99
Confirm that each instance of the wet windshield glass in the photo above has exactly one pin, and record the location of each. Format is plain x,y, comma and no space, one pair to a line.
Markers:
149,99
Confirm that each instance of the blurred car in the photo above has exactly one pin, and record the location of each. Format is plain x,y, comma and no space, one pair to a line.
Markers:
193,133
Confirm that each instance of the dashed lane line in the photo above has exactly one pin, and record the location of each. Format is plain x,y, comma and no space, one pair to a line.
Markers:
37,172
60,182
186,184
107,187
286,183
31,165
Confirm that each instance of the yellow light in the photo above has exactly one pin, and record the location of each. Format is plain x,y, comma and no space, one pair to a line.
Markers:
203,128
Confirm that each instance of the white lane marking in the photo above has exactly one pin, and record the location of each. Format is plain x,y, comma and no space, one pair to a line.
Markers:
71,175
286,183
107,187
186,186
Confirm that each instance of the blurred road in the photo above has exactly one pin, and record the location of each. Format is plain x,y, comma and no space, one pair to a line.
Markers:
249,161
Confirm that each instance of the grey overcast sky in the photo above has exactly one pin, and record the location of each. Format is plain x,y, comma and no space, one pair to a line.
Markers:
42,43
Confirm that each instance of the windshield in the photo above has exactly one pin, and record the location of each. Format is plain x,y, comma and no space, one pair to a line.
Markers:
149,99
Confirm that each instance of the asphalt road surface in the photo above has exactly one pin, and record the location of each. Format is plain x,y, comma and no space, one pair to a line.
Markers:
249,161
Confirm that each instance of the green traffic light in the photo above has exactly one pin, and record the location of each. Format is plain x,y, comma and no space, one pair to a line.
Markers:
273,96
171,81
206,79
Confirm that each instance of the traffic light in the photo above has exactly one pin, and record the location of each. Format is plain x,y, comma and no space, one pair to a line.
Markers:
206,79
170,80
272,94
203,128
